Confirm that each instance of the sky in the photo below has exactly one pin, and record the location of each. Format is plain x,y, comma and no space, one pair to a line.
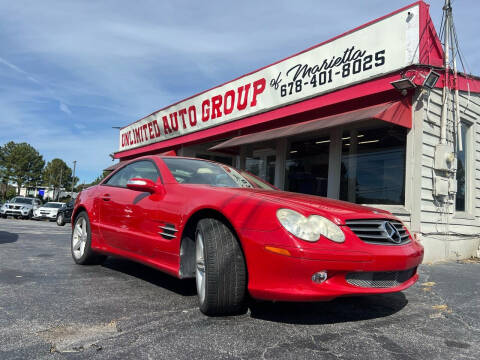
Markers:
72,70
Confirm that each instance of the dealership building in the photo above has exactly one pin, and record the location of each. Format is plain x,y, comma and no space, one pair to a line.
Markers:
372,116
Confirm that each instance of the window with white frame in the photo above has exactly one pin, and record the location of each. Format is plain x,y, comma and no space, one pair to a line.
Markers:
463,169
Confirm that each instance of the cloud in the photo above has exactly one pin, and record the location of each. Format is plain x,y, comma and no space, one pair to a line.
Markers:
11,66
63,107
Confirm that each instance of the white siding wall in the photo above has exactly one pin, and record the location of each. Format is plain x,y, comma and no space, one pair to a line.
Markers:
438,218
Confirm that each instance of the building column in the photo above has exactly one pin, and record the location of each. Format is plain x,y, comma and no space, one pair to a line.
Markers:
241,157
352,167
413,164
334,163
280,162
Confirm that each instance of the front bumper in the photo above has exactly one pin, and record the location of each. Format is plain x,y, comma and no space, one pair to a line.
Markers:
14,212
273,276
45,216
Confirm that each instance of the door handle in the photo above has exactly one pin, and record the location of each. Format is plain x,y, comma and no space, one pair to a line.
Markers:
106,197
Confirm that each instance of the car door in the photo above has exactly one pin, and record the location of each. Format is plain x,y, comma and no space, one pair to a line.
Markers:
113,201
152,219
126,215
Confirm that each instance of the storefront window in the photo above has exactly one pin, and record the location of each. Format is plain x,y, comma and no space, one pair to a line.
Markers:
227,160
373,166
262,166
307,166
462,168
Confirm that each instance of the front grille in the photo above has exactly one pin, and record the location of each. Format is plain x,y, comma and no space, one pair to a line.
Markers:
379,231
379,279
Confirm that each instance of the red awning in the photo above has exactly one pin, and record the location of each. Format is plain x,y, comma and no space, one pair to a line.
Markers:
397,112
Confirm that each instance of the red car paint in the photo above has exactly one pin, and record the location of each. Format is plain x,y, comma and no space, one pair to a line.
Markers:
123,225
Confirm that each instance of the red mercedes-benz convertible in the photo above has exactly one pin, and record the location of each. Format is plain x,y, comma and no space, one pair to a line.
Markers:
238,235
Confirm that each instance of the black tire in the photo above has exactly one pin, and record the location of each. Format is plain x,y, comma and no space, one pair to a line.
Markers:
30,215
225,269
60,220
89,257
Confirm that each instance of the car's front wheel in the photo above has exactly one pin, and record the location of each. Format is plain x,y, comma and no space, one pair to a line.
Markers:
60,220
82,252
221,273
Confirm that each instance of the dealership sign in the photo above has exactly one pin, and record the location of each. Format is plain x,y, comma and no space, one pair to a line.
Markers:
378,48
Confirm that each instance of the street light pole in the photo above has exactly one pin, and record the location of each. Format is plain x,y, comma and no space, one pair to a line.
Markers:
73,178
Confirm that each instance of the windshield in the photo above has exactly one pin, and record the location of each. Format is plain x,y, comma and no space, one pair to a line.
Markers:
192,171
19,200
52,205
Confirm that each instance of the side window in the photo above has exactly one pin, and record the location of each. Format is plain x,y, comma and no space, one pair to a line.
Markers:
144,170
120,178
141,169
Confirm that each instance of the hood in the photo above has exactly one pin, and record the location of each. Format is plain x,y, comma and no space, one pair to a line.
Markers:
17,204
43,208
336,210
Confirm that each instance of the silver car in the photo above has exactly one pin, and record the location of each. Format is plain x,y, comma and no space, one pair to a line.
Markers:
20,206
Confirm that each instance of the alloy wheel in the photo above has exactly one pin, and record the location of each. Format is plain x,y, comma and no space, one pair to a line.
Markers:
200,267
79,238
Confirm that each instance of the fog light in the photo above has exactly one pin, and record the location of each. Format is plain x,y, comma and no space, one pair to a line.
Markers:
319,277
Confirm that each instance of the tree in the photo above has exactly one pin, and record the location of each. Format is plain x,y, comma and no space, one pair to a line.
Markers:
20,163
59,175
100,177
6,168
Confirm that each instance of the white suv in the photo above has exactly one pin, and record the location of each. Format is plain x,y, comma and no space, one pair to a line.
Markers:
48,211
20,206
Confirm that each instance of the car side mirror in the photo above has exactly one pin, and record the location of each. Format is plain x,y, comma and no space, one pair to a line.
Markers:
145,185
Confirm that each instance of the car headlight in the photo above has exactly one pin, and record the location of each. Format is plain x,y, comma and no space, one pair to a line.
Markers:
309,228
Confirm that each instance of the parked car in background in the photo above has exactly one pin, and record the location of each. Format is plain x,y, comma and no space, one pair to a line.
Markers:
20,207
48,211
238,235
65,213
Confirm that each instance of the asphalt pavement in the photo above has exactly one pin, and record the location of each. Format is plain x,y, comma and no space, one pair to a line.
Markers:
51,308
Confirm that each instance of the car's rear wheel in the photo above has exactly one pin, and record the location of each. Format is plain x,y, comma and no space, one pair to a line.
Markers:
60,220
220,272
82,252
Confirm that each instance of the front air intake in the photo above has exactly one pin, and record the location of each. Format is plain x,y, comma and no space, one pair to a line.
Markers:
379,279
